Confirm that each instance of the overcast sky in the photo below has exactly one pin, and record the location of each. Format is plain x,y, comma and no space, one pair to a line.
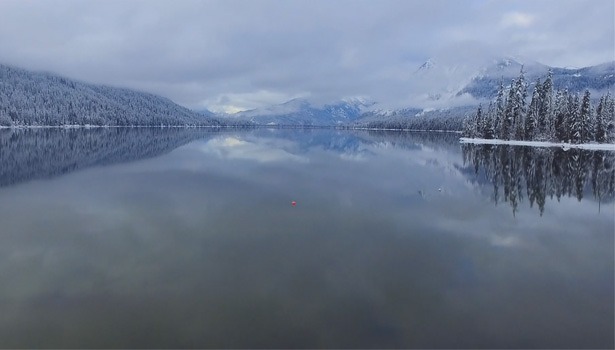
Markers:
241,54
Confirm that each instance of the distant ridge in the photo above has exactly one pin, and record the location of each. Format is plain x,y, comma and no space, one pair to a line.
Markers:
300,111
453,88
576,80
36,99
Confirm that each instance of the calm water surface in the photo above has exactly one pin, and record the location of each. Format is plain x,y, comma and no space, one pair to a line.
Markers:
179,238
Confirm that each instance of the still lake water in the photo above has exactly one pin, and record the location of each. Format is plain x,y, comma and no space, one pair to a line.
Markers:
187,238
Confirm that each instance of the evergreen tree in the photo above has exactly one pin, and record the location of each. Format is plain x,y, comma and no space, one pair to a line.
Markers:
585,118
545,113
600,124
574,122
507,125
561,117
469,126
499,110
609,115
5,120
479,122
533,112
519,105
488,130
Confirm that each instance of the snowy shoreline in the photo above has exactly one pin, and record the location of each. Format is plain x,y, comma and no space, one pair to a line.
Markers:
589,146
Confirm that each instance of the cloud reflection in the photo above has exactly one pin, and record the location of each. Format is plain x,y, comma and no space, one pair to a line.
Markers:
260,150
154,254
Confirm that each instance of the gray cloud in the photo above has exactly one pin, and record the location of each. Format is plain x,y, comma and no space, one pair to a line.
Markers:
245,54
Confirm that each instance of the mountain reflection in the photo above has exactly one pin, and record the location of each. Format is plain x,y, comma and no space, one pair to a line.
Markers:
519,173
28,154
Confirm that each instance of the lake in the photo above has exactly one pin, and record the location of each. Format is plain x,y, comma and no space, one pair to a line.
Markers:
187,238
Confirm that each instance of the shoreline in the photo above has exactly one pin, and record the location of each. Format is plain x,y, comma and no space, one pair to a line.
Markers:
563,145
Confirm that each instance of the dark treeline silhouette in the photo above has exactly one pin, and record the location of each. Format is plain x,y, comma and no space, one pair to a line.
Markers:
28,154
518,173
557,116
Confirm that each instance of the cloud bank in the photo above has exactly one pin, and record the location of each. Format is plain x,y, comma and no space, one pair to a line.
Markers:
241,54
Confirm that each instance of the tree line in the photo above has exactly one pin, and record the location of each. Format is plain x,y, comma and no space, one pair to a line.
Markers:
416,119
558,116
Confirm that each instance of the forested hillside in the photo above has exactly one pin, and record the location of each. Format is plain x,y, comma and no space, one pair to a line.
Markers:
31,98
551,115
450,119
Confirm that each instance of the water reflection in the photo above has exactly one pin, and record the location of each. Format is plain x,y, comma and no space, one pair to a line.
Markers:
389,246
518,173
28,154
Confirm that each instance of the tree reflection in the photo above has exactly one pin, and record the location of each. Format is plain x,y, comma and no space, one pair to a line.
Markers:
519,173
28,154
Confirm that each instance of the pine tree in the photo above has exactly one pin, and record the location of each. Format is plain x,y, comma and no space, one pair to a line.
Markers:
479,122
499,110
532,117
609,115
519,105
560,124
469,125
488,131
600,124
585,118
574,122
5,120
545,113
507,125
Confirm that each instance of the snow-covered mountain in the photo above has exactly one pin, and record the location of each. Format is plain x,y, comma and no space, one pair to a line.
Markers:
443,91
452,83
439,84
576,80
473,84
301,111
34,98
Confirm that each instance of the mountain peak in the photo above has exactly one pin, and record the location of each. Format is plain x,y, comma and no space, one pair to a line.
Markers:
427,65
505,62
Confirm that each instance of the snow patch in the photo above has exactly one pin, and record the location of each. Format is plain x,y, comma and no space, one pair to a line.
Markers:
564,146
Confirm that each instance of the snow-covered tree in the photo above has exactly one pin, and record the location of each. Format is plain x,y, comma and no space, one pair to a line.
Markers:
519,105
609,114
488,130
533,114
600,125
574,120
5,120
561,116
473,125
585,118
500,104
545,106
507,125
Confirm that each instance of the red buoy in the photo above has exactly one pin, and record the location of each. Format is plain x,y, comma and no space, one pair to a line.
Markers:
293,203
